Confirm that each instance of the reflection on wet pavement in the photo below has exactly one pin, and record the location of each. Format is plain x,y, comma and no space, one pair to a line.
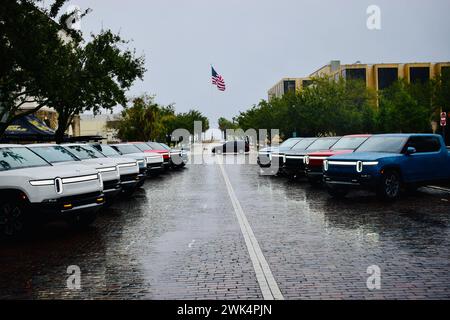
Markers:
178,238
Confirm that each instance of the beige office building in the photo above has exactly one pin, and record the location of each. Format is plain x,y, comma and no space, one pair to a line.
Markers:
376,76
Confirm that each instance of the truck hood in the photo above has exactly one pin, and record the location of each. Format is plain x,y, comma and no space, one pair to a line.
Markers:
93,163
51,172
274,149
364,156
328,153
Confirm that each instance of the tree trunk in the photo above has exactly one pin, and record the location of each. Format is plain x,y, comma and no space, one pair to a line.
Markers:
3,127
59,134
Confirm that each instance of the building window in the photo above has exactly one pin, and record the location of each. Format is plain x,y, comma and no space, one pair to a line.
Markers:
355,74
289,85
386,77
445,71
419,74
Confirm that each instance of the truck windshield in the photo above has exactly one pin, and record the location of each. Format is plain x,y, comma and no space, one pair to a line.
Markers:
106,150
323,144
383,144
54,154
155,145
17,158
303,144
85,152
289,143
128,149
143,146
349,143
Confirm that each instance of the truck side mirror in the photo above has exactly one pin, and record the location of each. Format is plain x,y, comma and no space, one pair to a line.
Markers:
410,150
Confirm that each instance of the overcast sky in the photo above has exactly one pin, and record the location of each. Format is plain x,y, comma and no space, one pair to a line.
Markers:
254,43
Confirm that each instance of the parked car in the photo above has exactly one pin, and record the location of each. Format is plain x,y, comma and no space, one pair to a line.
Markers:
232,147
385,163
128,167
146,147
154,160
264,159
58,155
178,157
32,189
314,160
110,152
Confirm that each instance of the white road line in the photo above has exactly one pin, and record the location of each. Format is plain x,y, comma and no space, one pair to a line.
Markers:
267,283
438,188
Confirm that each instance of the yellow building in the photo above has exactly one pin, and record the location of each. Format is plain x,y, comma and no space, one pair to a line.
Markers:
376,76
286,85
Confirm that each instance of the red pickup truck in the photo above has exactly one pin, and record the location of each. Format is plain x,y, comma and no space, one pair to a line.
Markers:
314,160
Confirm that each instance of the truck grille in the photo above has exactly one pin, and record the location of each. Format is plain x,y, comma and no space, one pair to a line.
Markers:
113,184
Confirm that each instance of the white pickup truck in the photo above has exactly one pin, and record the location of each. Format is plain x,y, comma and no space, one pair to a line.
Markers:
59,156
31,189
140,158
155,161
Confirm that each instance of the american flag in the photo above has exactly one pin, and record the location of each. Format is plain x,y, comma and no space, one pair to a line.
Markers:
217,80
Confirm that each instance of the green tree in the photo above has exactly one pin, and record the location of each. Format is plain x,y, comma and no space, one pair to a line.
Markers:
146,120
225,124
96,78
400,111
33,58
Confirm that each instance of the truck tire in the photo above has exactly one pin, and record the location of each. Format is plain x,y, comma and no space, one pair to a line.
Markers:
389,186
13,220
337,192
82,220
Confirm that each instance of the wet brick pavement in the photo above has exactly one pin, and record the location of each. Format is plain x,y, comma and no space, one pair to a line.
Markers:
178,238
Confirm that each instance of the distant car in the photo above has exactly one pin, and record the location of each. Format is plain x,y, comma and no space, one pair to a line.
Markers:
314,160
387,162
31,189
110,152
147,147
178,157
264,158
58,155
294,165
154,160
232,147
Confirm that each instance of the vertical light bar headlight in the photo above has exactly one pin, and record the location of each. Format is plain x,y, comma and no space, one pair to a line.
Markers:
359,166
325,165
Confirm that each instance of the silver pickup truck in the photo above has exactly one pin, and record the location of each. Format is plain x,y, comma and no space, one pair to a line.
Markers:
31,189
59,156
140,158
155,161
128,167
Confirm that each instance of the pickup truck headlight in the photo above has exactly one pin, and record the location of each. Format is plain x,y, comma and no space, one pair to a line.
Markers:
127,165
38,183
325,165
359,166
306,159
141,163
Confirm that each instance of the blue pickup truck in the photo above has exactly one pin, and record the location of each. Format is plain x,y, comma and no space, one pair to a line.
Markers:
386,163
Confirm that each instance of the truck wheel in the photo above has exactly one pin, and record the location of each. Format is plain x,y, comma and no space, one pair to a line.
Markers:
389,187
12,219
337,192
82,220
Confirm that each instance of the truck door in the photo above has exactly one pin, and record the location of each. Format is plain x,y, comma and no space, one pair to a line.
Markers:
421,166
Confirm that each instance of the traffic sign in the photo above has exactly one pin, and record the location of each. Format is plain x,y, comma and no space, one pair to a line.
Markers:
443,119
